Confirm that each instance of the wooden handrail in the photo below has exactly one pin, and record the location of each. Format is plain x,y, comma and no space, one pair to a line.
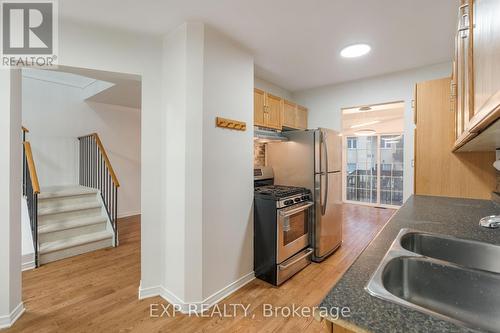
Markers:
25,130
31,167
105,156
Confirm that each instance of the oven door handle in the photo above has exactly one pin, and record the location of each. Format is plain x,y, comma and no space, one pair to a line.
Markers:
306,254
296,210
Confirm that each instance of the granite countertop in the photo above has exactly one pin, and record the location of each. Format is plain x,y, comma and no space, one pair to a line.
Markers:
449,216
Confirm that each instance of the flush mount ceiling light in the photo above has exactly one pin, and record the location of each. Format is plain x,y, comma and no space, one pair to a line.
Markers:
365,132
366,124
354,51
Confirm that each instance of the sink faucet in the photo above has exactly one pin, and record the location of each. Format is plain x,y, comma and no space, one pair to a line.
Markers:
492,221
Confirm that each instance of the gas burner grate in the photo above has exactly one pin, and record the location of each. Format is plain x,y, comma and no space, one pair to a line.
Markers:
279,191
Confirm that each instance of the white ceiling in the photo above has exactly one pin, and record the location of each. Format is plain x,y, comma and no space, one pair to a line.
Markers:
296,43
389,118
112,88
73,80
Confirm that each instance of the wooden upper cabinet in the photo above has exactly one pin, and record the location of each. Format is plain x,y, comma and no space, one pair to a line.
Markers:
289,114
301,120
274,112
267,109
274,105
486,50
464,68
259,100
477,69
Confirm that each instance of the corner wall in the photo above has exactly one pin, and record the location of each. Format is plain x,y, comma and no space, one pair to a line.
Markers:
227,166
11,306
209,188
101,48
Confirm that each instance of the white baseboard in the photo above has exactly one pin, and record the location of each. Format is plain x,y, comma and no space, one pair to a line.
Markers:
227,290
28,262
9,320
195,307
128,214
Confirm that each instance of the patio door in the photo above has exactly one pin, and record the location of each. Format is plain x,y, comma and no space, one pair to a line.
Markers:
374,169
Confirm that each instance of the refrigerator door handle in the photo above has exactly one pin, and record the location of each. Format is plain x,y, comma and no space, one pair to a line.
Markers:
325,157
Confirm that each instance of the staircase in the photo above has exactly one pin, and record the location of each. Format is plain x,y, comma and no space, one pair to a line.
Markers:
71,220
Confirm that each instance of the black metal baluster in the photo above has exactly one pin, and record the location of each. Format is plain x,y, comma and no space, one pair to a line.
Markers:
115,213
35,219
79,162
109,185
84,154
94,155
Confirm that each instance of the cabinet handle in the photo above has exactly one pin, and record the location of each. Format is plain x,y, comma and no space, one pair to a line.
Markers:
464,20
452,89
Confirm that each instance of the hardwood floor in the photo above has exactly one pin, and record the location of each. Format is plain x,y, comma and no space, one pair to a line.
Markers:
97,292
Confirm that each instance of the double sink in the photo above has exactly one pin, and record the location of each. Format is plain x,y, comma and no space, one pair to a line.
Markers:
450,278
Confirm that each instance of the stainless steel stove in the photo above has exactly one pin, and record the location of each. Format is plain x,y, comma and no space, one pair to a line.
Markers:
283,195
282,216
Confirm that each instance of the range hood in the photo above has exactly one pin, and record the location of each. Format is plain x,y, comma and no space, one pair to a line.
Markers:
262,135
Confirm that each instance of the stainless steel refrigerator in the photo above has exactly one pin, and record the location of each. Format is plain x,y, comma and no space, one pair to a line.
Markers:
313,159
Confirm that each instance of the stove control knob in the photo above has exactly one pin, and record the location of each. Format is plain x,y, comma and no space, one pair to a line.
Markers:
288,202
297,199
305,197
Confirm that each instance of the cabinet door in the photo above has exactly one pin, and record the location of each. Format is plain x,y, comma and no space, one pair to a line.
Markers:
486,55
274,106
289,114
259,98
438,171
301,117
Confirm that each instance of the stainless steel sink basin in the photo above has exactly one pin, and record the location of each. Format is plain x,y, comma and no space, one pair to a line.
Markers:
469,296
455,250
442,276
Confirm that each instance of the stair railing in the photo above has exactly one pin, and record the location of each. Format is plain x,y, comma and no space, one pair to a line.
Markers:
96,172
25,131
31,189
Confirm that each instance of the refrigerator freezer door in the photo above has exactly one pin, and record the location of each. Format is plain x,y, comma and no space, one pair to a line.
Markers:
333,142
328,215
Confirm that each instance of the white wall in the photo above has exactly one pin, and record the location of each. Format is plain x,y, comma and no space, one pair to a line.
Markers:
209,230
272,88
172,142
101,48
227,164
10,197
325,103
56,115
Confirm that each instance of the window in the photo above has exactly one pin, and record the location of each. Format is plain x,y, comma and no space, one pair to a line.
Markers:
351,167
352,143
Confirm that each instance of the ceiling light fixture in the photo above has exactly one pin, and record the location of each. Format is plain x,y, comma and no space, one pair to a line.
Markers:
356,50
366,124
365,132
365,108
